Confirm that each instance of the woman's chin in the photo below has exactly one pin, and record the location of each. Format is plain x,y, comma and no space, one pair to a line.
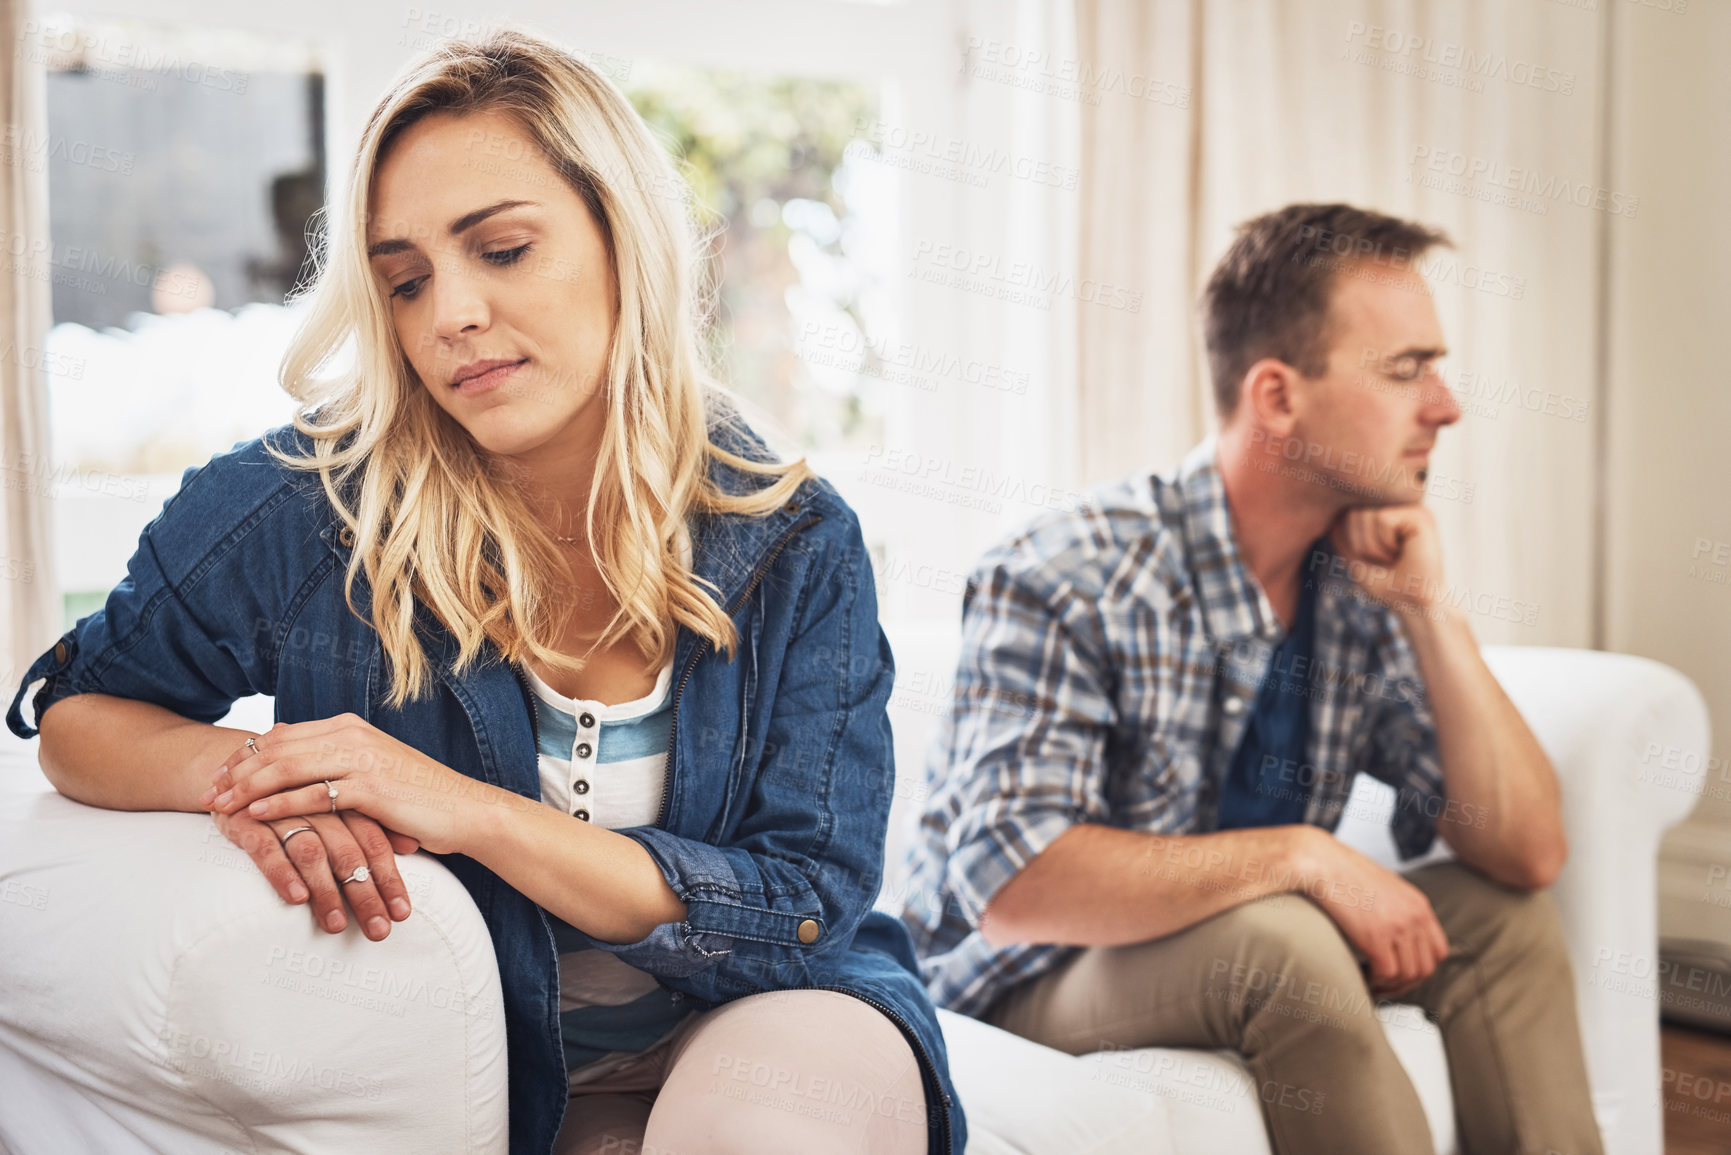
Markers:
514,426
505,434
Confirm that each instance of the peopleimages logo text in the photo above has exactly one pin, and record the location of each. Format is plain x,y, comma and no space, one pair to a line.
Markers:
975,270
1469,61
1488,172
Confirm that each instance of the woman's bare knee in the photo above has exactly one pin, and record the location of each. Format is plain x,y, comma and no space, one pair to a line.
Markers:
791,1071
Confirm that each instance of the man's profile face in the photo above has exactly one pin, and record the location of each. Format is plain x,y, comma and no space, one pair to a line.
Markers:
1370,421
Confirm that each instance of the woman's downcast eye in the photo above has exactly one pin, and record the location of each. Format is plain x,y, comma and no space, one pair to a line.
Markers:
506,256
409,288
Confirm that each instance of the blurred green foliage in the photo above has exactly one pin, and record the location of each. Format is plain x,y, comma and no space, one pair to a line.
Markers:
745,138
748,144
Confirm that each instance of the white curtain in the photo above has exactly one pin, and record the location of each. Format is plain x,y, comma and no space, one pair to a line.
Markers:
1139,399
29,593
990,235
1209,113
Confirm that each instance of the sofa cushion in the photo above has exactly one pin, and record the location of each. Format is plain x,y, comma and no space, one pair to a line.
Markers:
1023,1098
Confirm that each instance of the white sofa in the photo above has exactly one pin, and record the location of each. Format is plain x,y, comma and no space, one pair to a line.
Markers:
1597,715
156,996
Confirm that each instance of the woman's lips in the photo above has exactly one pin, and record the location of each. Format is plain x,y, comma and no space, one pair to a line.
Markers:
491,379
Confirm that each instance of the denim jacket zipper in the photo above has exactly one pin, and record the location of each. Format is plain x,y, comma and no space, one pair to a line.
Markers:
534,719
703,644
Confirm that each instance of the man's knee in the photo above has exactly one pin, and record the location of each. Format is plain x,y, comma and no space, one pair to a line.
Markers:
1492,922
1284,956
1284,931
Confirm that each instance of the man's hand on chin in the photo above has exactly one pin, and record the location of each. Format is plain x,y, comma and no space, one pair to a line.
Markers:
1393,553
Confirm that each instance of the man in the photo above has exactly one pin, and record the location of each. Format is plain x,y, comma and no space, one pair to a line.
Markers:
1161,703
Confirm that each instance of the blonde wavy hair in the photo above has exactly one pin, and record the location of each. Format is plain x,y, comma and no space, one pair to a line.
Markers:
435,518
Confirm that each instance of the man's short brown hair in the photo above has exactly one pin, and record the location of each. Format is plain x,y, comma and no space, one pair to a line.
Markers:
1268,296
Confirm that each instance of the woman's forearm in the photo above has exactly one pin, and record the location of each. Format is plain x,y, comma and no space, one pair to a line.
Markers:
600,882
123,754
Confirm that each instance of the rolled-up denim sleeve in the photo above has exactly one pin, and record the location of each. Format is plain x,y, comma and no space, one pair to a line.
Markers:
187,628
777,904
1032,711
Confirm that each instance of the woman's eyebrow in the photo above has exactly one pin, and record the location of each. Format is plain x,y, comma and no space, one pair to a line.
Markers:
459,226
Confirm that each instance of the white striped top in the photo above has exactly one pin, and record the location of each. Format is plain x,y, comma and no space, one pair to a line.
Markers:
606,765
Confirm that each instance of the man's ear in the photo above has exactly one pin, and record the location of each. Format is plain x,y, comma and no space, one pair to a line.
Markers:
1270,393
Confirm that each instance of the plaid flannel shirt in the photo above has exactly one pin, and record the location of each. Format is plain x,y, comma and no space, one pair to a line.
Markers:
1110,660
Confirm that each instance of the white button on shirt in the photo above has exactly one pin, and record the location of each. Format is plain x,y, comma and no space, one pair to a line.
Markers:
605,764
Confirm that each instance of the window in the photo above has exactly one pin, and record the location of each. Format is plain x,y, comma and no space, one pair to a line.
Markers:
177,360
183,168
795,217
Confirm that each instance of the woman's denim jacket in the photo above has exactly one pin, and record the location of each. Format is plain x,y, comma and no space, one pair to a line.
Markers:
780,771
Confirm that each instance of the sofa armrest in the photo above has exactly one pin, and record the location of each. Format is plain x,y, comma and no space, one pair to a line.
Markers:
1606,721
157,995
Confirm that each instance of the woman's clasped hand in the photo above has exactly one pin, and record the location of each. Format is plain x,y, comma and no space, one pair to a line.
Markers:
271,799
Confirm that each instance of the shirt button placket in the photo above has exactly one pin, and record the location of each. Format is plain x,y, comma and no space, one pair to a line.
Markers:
582,754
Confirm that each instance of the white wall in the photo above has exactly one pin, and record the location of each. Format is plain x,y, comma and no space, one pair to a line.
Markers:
1669,473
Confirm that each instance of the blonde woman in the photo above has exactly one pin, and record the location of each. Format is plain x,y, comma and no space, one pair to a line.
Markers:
531,596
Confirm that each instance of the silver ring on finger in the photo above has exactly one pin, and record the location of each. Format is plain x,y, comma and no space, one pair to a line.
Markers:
332,791
252,744
285,837
361,874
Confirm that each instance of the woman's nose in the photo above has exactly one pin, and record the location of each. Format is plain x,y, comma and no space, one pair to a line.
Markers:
458,306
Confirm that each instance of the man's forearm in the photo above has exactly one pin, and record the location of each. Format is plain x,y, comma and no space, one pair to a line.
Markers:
122,754
1490,760
1102,886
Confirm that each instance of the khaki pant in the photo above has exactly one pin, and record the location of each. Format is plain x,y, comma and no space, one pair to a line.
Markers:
1275,980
